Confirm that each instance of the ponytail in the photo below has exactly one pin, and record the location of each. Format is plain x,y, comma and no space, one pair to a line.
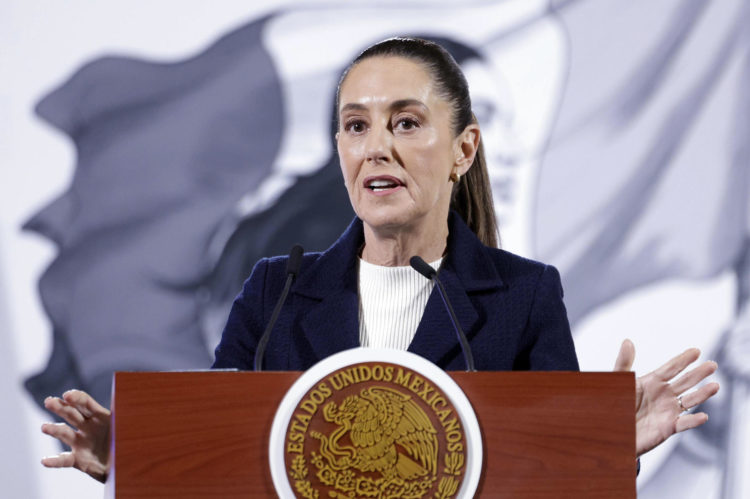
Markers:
472,199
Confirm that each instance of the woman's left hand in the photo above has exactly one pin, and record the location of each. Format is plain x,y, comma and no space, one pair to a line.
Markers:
660,406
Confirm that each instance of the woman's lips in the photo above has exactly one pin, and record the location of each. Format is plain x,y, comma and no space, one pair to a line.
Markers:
382,185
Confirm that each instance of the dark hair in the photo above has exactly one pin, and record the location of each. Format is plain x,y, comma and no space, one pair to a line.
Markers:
472,195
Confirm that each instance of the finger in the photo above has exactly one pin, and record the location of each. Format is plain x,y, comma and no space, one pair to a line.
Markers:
85,403
692,378
60,431
625,357
674,366
690,421
69,413
699,396
62,460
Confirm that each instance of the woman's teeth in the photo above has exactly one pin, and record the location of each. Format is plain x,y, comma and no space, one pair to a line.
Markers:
381,185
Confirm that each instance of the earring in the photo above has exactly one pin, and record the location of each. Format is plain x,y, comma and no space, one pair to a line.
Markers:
454,177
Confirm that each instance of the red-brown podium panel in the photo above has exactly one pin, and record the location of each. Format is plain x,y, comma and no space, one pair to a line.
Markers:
205,434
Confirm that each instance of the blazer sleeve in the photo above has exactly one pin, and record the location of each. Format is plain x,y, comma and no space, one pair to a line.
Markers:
549,342
245,323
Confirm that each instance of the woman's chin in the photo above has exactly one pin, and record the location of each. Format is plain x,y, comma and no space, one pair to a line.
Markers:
387,217
394,219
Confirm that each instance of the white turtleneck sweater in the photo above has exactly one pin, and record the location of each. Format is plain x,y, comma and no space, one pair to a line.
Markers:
391,304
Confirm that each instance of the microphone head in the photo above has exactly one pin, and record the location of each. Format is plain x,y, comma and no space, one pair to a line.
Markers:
422,267
295,260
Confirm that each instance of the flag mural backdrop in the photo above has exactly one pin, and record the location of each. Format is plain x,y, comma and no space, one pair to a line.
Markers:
617,138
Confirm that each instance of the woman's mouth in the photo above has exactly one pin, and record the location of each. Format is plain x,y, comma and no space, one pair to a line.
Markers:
383,184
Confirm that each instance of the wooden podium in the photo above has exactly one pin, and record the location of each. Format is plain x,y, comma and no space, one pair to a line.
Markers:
205,434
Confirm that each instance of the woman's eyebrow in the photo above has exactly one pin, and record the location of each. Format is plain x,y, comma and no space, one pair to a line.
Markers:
397,104
402,103
353,106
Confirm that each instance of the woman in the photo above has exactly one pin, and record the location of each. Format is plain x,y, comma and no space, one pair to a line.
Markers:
412,162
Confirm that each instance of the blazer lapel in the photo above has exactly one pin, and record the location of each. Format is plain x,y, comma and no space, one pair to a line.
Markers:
466,269
332,325
436,338
328,307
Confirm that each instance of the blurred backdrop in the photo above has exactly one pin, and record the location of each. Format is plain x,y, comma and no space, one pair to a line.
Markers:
151,153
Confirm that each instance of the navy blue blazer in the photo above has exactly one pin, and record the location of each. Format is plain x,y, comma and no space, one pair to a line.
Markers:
510,308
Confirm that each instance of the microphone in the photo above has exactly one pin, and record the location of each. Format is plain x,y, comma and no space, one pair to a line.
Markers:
423,268
293,265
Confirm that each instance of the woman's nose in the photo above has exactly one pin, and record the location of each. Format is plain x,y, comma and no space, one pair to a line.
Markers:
379,145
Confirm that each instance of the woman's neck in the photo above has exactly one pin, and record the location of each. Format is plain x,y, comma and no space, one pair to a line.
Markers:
394,248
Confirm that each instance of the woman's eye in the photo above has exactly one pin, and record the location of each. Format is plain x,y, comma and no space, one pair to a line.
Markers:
407,124
355,126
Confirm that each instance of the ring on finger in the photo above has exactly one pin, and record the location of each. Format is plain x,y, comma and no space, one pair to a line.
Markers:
679,402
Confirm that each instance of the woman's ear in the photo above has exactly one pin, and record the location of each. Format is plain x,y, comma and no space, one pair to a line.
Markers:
467,145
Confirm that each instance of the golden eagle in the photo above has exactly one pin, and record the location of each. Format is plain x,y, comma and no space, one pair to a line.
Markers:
389,433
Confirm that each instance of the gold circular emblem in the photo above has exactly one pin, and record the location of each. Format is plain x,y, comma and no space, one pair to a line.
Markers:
375,429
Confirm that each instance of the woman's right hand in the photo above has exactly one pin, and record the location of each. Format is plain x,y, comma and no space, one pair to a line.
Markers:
87,433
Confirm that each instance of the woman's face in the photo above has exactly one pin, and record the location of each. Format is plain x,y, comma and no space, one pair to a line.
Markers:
396,145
